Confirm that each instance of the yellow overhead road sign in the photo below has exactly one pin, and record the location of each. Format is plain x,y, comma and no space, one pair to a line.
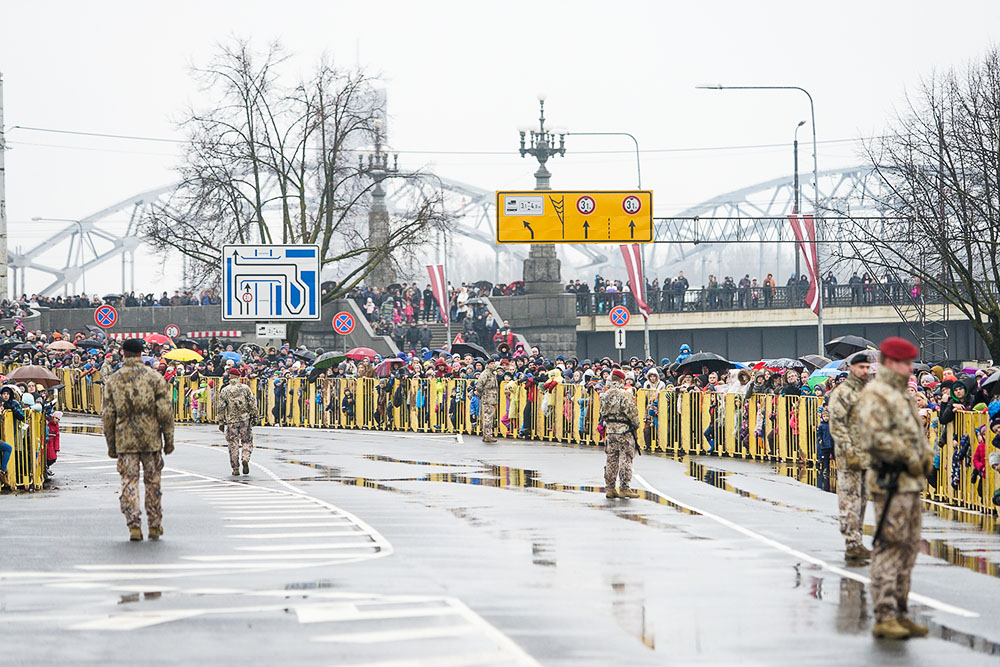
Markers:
548,216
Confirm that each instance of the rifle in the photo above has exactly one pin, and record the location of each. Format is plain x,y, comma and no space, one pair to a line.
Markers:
635,439
888,480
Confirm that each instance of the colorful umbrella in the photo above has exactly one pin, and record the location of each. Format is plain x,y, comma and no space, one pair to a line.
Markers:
360,353
183,354
234,357
385,369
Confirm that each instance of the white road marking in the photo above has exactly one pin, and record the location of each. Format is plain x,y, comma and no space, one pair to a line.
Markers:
338,611
454,660
318,514
238,558
294,547
136,619
316,524
916,597
383,636
282,536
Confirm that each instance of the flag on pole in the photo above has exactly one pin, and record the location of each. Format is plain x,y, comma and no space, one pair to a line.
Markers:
805,236
633,264
439,288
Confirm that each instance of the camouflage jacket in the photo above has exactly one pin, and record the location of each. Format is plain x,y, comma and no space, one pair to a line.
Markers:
844,424
889,429
487,386
619,413
138,413
236,403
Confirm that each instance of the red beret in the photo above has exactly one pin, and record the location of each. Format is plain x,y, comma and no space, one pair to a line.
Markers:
235,371
899,348
618,374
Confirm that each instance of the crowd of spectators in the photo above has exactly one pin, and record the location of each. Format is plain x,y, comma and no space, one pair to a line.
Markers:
19,307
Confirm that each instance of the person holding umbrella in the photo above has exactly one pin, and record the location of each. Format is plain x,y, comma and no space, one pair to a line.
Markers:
851,460
138,419
236,411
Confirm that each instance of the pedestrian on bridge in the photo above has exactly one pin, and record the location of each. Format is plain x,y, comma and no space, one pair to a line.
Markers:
237,412
852,461
901,458
138,421
620,417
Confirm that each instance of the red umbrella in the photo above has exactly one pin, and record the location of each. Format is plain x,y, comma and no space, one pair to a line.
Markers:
158,339
360,353
385,368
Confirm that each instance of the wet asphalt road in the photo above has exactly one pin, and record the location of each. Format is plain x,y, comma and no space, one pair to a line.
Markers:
358,548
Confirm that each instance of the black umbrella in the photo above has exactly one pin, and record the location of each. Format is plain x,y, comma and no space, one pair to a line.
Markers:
476,302
992,383
25,347
845,346
394,286
304,355
94,328
89,343
8,343
483,283
189,343
814,361
463,349
714,362
111,296
921,367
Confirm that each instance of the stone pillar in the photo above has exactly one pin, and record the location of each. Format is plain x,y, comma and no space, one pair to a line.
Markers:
542,266
384,272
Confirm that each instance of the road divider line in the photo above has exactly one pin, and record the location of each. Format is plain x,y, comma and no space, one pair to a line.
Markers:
916,597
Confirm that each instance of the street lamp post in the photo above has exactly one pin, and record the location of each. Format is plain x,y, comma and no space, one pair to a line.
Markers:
541,268
638,182
818,221
378,215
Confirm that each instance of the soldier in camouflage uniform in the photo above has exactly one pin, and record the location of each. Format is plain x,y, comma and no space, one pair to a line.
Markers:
852,461
488,390
138,421
620,417
891,434
236,412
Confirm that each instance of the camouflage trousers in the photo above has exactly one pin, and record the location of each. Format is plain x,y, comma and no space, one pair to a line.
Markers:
620,450
488,412
239,437
895,553
851,501
128,468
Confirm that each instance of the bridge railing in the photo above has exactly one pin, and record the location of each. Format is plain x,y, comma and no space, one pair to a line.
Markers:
729,298
761,427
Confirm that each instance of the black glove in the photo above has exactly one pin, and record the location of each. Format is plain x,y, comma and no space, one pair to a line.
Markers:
222,427
112,452
168,448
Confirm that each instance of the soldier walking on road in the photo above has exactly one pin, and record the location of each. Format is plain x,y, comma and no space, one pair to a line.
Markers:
237,411
901,458
852,461
488,390
138,421
620,417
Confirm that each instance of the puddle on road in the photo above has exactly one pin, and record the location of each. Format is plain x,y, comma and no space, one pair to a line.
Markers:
718,478
389,459
86,430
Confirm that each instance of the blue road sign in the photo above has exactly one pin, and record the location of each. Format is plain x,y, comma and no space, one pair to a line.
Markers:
270,282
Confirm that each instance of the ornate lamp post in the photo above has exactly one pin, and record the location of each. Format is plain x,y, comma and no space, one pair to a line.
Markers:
541,268
378,215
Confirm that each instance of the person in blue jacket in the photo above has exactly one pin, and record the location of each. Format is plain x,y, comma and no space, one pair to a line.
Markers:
685,352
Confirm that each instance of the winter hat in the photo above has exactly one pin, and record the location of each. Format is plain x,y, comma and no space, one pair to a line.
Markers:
899,348
912,384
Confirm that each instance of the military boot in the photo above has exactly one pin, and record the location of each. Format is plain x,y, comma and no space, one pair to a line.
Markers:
135,534
626,492
891,629
236,472
915,629
246,467
489,440
155,532
611,493
857,555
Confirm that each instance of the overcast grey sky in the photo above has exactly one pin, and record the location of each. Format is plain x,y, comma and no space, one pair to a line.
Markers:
462,76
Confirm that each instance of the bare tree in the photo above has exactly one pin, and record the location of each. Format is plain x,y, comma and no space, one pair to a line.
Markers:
270,163
939,172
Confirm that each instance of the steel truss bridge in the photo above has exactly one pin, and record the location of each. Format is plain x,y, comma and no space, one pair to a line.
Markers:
743,231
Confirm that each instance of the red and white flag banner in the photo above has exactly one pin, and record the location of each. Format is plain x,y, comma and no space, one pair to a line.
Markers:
633,264
439,288
805,236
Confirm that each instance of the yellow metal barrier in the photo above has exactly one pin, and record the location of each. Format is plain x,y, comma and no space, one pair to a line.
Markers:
26,468
762,427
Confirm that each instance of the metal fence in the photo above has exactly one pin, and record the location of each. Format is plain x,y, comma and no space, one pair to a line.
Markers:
763,427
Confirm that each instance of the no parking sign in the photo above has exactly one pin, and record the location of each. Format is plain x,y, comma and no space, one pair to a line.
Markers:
343,323
106,316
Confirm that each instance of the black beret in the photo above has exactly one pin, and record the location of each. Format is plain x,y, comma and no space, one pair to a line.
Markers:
134,345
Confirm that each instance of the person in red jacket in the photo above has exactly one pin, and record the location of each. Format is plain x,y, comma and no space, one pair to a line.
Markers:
52,440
